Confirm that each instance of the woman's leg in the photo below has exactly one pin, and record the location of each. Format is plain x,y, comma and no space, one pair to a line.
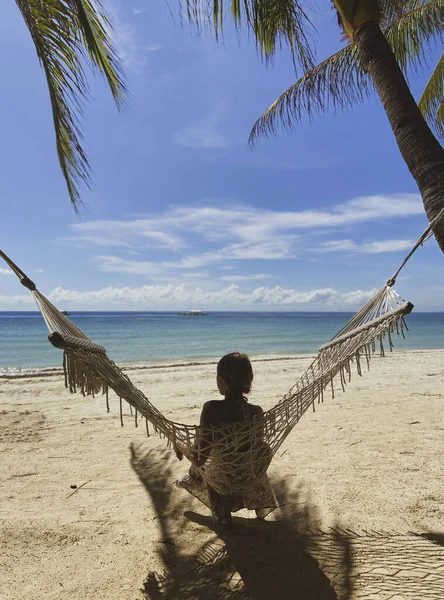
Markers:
220,506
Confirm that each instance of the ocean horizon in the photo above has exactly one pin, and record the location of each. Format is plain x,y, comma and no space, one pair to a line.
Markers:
155,337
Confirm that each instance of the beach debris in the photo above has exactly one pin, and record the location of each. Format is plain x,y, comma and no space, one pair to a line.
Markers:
77,488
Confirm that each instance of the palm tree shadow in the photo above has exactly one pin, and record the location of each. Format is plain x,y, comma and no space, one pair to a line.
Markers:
250,559
432,536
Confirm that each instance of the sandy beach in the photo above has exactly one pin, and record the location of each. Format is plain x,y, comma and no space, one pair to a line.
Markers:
360,482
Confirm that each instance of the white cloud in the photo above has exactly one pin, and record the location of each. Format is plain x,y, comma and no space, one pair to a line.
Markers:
211,235
199,137
176,296
274,250
359,210
124,38
269,250
242,224
192,275
115,264
205,132
148,233
5,271
17,299
375,247
254,277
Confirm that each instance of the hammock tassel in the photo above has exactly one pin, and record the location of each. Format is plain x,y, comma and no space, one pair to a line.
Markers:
173,438
390,340
367,356
65,370
403,326
358,362
105,391
341,375
78,376
121,411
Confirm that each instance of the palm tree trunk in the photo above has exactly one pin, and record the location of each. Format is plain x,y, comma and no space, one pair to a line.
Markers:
421,151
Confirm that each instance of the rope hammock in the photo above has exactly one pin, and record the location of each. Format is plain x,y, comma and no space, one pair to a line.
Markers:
229,469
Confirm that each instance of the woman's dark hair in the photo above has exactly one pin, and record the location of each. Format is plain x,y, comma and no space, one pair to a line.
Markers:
236,371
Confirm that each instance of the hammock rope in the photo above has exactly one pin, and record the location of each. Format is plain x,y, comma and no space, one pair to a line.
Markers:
229,469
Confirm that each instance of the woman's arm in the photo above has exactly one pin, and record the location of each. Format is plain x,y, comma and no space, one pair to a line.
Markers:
199,454
204,437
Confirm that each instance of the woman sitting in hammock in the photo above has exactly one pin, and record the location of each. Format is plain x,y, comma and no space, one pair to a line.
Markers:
228,464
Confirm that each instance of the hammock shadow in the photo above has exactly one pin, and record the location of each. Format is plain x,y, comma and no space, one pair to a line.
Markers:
251,559
287,558
271,560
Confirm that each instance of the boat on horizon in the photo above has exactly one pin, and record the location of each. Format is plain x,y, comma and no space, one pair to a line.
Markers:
192,313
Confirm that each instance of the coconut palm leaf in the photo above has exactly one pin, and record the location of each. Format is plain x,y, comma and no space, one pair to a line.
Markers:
431,102
340,81
410,35
274,23
68,34
94,31
336,82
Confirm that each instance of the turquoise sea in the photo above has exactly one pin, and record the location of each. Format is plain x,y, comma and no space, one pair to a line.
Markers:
159,337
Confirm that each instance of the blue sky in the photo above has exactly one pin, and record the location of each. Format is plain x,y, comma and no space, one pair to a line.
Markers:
182,212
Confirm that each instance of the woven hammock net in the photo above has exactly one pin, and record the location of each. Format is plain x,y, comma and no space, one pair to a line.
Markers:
230,469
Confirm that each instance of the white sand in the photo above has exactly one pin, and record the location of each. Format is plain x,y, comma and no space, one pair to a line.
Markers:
370,459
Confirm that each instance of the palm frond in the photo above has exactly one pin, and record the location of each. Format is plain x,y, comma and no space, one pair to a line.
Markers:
274,24
94,25
411,35
431,103
392,10
67,34
336,82
340,81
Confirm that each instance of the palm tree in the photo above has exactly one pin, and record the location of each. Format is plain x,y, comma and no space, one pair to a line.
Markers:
341,80
366,24
69,34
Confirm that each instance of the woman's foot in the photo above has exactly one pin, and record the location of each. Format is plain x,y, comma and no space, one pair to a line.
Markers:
223,519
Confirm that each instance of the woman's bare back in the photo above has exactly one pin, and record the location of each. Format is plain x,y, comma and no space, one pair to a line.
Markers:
221,412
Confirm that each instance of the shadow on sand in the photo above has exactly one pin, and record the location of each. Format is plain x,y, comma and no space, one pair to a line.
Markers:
248,559
287,558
